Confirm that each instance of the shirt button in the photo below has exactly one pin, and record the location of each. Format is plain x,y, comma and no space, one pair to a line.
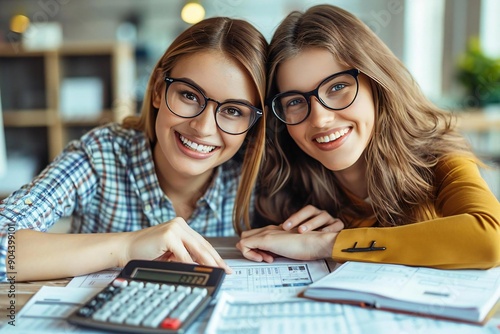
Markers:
147,208
28,201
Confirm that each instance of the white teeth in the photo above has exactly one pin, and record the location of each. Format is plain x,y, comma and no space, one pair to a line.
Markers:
332,137
196,147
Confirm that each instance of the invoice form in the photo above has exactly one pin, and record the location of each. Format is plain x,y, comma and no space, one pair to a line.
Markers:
283,277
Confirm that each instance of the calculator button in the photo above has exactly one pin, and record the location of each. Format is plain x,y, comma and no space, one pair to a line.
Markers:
85,311
170,323
186,307
135,319
94,303
155,318
167,287
138,284
173,300
186,289
102,314
146,292
131,307
157,298
147,309
137,299
120,282
182,311
117,318
152,302
151,285
201,291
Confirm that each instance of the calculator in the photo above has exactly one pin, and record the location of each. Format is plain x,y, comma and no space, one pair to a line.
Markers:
151,297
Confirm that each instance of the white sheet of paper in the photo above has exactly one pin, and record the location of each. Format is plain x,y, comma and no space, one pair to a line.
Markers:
283,277
95,280
47,310
236,313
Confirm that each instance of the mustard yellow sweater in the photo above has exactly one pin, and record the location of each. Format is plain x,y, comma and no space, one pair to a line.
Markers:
465,235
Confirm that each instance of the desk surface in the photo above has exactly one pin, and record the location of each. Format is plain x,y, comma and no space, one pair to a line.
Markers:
24,291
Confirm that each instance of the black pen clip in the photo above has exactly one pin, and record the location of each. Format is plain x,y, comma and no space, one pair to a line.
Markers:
372,248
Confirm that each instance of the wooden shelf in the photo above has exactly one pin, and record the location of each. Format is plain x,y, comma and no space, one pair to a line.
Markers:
106,116
31,85
478,120
26,118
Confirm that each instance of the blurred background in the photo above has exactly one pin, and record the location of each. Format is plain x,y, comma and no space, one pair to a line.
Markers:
67,65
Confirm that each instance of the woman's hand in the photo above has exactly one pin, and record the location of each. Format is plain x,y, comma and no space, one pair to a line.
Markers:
310,218
172,241
265,243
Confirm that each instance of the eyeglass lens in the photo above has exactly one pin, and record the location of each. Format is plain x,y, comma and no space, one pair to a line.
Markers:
185,100
337,93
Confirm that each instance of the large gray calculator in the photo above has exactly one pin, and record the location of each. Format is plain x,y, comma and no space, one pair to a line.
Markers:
151,297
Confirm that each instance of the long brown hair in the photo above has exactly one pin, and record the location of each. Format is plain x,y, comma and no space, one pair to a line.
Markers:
243,43
410,135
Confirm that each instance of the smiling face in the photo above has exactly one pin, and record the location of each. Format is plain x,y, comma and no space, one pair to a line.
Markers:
337,139
193,147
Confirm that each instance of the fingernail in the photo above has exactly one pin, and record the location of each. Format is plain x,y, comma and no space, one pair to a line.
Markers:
303,228
288,225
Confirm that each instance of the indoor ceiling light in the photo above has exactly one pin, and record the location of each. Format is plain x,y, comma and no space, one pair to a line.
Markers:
192,12
19,23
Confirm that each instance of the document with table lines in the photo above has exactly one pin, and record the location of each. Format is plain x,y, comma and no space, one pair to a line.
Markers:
98,279
47,310
283,277
242,314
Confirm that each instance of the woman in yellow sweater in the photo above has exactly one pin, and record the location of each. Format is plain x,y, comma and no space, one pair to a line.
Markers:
360,166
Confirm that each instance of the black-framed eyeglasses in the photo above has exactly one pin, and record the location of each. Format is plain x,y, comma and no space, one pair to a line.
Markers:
188,101
336,92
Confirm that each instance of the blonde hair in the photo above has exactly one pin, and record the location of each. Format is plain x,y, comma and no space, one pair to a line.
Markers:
410,134
240,41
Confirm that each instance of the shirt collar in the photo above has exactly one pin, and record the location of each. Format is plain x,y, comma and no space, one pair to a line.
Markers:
214,194
142,169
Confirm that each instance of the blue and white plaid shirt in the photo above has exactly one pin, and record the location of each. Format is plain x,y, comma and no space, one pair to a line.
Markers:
106,182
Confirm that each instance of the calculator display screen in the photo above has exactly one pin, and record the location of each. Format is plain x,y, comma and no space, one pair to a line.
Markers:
165,276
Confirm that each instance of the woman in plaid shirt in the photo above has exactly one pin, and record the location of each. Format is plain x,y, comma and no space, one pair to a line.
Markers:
149,188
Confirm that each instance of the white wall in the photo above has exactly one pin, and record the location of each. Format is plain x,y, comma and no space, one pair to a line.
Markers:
3,157
490,27
424,44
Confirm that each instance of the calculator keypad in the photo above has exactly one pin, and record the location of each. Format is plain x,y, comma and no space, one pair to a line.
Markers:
152,305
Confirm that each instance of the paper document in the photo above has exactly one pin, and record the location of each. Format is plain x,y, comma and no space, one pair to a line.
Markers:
241,314
466,295
284,277
99,279
47,310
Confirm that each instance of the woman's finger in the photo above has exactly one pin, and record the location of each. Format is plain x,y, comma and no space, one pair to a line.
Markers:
336,226
300,216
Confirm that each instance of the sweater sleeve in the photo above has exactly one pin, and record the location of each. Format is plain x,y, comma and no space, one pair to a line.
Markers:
466,235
